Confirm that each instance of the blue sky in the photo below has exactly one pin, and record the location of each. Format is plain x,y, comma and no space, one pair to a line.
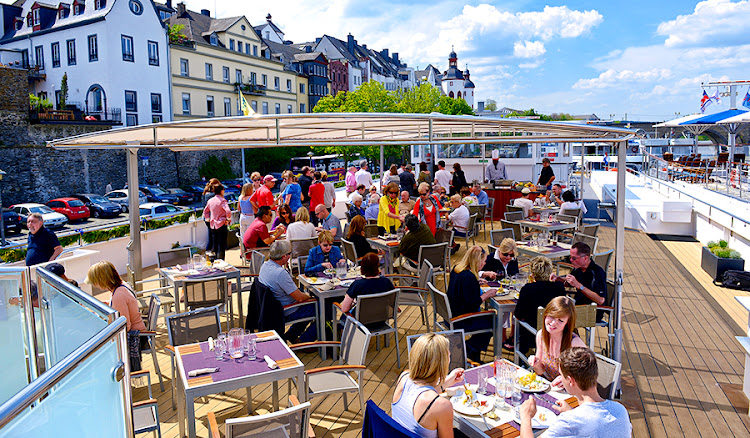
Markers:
645,59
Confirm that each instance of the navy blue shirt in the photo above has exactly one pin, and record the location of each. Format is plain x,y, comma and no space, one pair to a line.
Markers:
367,286
593,278
41,246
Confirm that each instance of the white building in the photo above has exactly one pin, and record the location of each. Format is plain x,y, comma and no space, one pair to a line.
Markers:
456,83
114,52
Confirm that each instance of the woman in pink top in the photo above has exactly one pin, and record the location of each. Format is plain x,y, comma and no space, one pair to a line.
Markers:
104,276
218,210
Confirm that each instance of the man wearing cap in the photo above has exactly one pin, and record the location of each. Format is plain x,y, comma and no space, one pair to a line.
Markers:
263,195
524,202
59,270
496,170
43,245
363,176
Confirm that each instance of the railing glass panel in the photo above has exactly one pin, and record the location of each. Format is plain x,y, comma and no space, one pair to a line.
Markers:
87,402
13,337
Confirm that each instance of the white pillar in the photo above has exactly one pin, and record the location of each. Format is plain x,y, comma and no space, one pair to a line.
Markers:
135,263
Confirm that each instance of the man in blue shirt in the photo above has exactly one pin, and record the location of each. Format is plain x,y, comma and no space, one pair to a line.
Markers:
279,280
480,194
43,245
328,222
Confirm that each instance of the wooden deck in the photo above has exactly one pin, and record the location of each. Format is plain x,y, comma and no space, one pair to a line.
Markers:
682,368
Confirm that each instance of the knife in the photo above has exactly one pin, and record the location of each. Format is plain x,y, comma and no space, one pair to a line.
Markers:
482,415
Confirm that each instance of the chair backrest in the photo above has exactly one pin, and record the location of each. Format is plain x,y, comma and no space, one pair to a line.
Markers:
194,326
372,221
514,216
591,241
257,260
515,226
589,230
434,253
609,376
154,304
603,259
490,204
497,236
355,340
444,236
457,341
205,292
478,209
472,224
172,257
371,230
379,424
567,218
425,273
349,252
571,212
441,304
513,208
243,254
374,308
293,420
302,246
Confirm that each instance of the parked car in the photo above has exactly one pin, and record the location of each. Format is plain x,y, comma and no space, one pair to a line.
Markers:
99,205
72,208
11,221
51,218
183,197
196,191
157,194
159,209
121,197
233,184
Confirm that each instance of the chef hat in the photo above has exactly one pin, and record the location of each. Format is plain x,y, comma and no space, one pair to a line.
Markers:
495,154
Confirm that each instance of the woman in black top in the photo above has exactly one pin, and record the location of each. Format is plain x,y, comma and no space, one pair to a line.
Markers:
501,264
373,283
534,295
357,236
465,296
459,179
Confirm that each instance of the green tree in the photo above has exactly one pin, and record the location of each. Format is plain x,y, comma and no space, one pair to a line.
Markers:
452,106
64,90
176,35
266,160
423,99
216,168
490,105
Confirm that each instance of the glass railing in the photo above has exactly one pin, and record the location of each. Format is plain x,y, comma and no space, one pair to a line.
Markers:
65,361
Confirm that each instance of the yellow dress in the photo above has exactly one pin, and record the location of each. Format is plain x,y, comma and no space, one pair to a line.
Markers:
385,206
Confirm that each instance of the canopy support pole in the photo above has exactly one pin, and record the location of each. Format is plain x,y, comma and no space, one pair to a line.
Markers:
382,165
135,263
619,249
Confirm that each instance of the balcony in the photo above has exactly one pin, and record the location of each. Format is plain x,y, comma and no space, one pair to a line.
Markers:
37,73
252,89
74,114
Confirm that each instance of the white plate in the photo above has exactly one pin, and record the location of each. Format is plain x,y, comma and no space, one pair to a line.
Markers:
468,409
542,388
312,280
549,418
346,283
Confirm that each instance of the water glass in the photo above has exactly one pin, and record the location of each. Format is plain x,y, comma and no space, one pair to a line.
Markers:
341,269
234,343
220,346
482,382
252,352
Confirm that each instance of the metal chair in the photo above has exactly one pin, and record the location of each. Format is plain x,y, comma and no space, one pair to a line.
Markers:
371,230
589,230
571,212
243,253
150,334
445,236
172,257
349,252
609,376
470,230
207,292
301,247
355,340
479,210
457,346
412,295
443,310
436,254
497,236
603,259
145,412
379,423
567,218
516,227
188,328
591,241
490,212
374,311
292,422
256,261
514,216
513,208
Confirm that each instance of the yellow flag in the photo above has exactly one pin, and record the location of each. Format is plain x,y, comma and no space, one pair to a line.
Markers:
245,107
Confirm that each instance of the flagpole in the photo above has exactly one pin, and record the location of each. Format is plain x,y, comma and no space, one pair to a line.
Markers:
239,100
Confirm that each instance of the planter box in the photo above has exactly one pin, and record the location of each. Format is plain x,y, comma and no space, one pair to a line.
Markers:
715,266
232,241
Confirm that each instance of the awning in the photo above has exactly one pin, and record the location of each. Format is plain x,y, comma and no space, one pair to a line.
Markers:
677,122
712,119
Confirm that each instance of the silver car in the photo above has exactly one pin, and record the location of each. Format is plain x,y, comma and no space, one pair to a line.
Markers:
121,197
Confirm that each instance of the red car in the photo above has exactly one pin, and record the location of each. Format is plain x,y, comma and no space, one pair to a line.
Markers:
71,207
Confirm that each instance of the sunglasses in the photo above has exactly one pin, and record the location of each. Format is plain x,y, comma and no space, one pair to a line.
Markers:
326,244
508,254
423,194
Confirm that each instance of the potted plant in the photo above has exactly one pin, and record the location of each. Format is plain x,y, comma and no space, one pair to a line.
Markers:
717,257
232,240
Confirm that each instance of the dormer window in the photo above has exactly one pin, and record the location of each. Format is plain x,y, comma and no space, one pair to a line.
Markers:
99,4
78,8
214,40
35,17
19,24
29,20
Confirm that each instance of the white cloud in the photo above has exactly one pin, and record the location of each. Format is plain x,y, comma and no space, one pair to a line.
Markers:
712,21
615,78
528,49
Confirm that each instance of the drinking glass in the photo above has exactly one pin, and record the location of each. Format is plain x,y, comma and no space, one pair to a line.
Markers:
234,343
341,269
252,352
221,346
482,382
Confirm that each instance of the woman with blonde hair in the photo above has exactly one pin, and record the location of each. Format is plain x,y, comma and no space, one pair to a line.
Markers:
427,208
465,296
245,207
104,276
324,256
292,192
535,294
417,404
388,217
555,336
502,263
301,228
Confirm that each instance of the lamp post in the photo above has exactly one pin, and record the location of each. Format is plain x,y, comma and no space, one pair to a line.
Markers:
2,216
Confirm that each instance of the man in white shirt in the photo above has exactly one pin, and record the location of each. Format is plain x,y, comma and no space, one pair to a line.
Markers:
524,202
363,176
459,218
594,417
442,177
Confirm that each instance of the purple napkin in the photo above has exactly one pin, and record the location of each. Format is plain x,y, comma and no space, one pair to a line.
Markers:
493,284
323,275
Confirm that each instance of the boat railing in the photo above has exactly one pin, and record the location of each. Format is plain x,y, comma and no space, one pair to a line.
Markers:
726,177
65,360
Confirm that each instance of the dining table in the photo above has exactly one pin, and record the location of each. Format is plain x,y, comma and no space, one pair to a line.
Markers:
324,286
389,245
505,424
551,250
233,374
176,276
504,303
545,225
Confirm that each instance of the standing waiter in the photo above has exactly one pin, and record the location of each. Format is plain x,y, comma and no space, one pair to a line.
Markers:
496,170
